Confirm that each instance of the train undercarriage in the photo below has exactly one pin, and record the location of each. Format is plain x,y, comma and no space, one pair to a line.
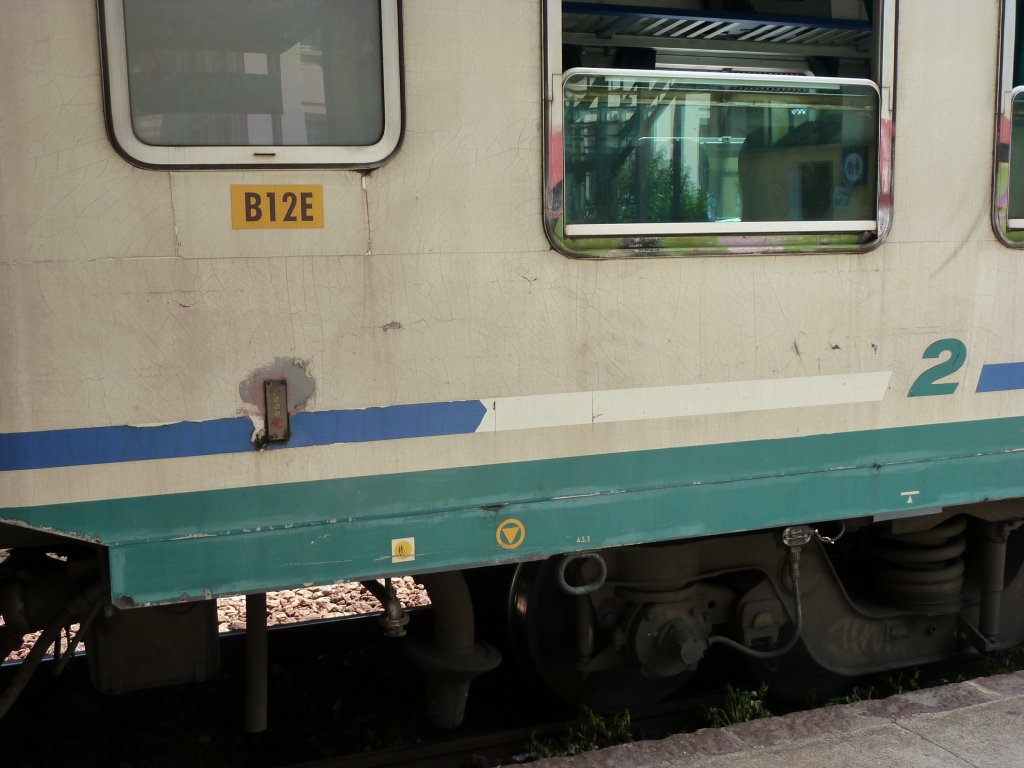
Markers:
611,629
856,597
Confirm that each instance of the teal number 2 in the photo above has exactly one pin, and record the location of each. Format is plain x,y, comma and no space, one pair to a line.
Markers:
925,384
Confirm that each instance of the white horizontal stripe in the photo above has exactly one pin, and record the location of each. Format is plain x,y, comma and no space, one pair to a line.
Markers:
720,228
617,405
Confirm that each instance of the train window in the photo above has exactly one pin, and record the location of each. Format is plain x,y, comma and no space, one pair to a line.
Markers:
253,82
677,131
728,153
1008,202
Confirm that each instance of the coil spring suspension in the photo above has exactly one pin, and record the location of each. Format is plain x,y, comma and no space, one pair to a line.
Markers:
920,571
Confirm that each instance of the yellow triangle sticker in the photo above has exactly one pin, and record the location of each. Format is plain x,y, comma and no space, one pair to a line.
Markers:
510,533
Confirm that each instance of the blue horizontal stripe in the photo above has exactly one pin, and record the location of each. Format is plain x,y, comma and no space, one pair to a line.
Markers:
107,445
1001,377
391,423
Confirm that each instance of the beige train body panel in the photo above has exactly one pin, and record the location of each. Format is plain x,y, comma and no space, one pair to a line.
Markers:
127,299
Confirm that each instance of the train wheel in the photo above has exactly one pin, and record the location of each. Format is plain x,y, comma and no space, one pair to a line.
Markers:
544,630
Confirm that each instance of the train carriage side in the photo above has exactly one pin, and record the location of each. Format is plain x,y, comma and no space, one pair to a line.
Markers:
708,318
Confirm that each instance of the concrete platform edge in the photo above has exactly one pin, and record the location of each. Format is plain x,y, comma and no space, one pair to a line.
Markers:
955,725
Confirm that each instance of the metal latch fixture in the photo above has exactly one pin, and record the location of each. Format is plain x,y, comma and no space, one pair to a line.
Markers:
276,410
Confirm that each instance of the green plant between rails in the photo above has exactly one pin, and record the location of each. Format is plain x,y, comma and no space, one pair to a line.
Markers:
893,684
853,695
590,731
903,681
739,706
1004,662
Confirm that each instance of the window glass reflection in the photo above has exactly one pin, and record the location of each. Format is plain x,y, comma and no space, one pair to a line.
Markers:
641,149
255,72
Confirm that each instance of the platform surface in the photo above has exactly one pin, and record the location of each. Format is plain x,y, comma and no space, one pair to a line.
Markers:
978,723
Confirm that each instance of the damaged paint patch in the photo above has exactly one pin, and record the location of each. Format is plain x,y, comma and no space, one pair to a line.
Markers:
50,531
301,384
300,387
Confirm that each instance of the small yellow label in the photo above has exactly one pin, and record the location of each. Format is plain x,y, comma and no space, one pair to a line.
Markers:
403,550
277,206
510,533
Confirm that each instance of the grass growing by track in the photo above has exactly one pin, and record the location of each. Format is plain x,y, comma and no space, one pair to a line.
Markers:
590,731
739,706
893,684
1004,662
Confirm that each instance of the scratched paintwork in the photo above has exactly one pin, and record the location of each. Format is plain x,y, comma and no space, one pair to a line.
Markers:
301,387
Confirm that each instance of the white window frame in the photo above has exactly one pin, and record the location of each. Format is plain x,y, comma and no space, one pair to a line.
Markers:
122,133
699,238
1013,224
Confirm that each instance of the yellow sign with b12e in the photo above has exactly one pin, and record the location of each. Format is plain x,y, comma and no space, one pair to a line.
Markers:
277,206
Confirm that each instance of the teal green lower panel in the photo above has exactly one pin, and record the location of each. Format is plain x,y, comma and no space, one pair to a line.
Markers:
191,545
204,544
